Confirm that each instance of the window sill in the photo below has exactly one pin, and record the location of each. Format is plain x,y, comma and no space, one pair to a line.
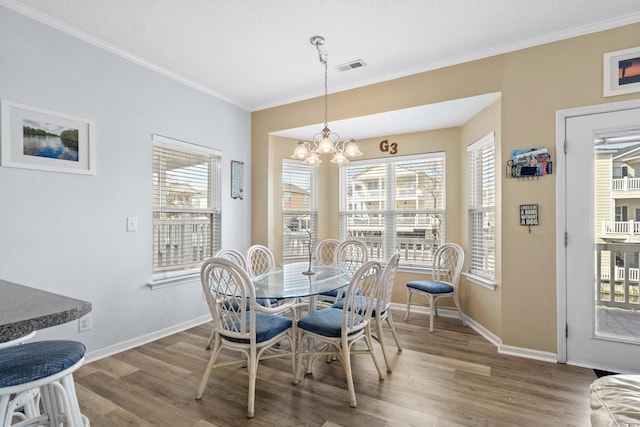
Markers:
166,280
481,281
414,269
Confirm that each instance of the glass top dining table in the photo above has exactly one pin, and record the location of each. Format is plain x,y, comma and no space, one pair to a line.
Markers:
288,280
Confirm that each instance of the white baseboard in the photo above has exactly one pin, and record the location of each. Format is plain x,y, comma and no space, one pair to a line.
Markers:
443,311
144,339
486,334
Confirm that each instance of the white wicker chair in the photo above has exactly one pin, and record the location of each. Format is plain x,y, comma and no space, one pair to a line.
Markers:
382,312
235,257
242,325
325,251
348,257
447,266
259,260
232,255
340,328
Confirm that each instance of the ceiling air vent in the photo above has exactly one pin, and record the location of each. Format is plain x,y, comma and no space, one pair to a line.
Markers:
357,63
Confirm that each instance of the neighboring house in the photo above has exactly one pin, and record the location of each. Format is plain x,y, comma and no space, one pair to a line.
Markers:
368,194
617,221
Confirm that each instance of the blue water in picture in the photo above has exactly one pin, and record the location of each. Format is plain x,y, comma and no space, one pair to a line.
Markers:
48,146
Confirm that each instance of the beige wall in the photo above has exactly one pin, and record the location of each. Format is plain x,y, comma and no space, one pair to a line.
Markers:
534,83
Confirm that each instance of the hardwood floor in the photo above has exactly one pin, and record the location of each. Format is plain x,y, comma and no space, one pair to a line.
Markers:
452,377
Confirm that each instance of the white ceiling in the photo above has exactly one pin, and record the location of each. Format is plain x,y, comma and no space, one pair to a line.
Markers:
256,54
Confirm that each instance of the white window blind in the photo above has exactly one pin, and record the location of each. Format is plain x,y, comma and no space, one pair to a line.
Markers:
299,210
394,205
482,195
186,204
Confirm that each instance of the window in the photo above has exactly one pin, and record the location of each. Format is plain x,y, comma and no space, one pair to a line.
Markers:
482,212
394,205
186,205
299,210
621,213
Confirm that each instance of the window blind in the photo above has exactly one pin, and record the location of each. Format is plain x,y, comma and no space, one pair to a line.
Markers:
186,204
394,205
481,157
299,210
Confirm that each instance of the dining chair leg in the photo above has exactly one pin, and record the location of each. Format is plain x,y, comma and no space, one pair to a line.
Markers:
432,311
406,315
213,332
346,363
207,371
380,337
299,353
457,302
369,341
392,326
253,373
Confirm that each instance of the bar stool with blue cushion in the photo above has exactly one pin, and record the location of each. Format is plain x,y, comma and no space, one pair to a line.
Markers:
49,366
447,266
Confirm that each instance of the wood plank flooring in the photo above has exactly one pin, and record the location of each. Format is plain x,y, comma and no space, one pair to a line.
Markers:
452,377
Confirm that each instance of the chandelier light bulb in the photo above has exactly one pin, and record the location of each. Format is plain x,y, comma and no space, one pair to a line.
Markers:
301,151
312,159
352,149
339,157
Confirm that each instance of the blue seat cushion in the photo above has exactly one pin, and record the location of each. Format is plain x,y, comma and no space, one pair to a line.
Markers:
334,293
430,286
326,322
360,303
267,327
28,362
262,301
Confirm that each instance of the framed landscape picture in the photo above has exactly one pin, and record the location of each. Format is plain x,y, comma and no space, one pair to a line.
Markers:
34,138
622,72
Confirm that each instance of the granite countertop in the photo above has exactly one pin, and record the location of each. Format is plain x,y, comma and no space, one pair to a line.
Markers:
24,309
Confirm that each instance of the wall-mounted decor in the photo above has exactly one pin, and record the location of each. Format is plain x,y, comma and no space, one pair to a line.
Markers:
388,147
529,163
237,180
529,215
621,72
34,138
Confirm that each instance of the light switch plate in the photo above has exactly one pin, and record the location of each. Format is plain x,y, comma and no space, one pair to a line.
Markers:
132,224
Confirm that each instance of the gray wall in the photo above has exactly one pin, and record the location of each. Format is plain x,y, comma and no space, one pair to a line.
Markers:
66,233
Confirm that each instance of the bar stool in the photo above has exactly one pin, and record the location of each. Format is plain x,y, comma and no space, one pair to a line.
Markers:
49,366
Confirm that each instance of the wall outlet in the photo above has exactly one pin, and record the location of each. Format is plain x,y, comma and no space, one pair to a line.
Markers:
84,323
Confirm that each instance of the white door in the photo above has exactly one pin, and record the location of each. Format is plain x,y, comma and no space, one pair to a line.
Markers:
602,252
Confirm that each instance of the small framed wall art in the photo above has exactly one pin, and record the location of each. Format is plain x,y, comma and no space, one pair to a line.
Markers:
237,180
621,72
34,138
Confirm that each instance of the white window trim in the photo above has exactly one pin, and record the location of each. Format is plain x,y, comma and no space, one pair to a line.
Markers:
480,281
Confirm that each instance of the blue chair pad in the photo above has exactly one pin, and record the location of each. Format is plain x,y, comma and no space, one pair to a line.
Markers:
29,362
334,293
360,303
430,286
267,327
326,322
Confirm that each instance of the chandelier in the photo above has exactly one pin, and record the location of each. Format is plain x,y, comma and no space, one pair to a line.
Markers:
325,142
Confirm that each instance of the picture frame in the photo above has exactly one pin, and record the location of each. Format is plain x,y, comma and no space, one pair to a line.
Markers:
35,138
237,180
621,72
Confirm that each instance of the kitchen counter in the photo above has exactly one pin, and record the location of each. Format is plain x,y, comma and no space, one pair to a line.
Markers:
24,309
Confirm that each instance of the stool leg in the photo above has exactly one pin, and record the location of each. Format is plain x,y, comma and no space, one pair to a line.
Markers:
73,409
